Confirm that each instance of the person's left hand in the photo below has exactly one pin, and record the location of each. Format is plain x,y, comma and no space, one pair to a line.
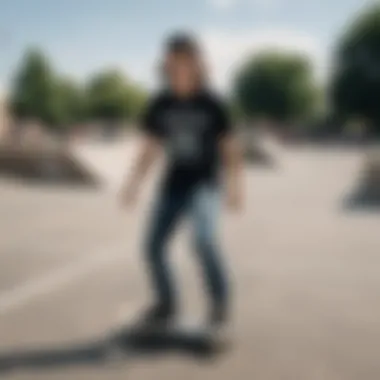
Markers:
234,199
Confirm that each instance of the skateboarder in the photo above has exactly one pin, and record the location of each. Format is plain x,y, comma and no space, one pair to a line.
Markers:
191,125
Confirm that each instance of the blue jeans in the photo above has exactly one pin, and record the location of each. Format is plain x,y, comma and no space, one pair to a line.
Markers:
202,205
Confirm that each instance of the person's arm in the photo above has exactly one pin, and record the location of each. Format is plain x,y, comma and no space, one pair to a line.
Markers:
231,155
233,164
148,150
146,156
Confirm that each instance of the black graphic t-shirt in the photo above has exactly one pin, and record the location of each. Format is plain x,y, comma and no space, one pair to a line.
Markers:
190,130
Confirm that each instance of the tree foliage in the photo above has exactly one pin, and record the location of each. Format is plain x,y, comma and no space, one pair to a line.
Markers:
40,93
106,94
33,94
276,85
70,102
356,80
135,98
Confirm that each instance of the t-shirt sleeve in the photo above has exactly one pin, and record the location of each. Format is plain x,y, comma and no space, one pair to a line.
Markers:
149,120
223,122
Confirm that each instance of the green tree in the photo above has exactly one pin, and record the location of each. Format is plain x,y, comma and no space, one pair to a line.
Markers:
135,98
355,86
276,85
235,111
106,96
70,102
33,90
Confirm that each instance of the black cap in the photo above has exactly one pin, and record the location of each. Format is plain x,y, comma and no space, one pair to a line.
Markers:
181,43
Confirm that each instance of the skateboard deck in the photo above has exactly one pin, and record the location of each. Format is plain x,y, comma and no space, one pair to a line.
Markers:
185,336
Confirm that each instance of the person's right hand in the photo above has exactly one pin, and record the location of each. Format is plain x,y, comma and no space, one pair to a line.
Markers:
128,197
234,199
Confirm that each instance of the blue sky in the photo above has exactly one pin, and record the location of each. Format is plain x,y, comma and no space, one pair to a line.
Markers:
84,36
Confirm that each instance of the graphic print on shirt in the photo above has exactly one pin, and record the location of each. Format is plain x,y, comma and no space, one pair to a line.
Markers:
185,130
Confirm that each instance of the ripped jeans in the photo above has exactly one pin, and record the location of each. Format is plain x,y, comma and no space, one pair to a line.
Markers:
202,206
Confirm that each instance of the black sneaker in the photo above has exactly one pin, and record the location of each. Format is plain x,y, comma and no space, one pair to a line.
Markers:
218,317
219,329
156,316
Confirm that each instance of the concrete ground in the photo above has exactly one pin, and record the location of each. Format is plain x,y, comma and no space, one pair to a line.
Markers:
305,274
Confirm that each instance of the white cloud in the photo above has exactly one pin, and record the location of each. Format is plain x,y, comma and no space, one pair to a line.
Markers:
226,50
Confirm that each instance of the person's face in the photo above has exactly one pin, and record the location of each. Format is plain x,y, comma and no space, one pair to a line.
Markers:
182,72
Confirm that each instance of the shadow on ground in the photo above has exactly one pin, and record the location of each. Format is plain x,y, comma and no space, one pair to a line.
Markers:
362,199
257,156
123,345
42,181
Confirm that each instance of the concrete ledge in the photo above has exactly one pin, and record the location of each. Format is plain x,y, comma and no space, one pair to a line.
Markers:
50,163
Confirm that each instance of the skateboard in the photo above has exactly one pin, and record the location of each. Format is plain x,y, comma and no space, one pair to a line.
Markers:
185,336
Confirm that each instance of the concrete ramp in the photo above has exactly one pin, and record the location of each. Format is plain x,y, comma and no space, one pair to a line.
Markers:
109,161
45,163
